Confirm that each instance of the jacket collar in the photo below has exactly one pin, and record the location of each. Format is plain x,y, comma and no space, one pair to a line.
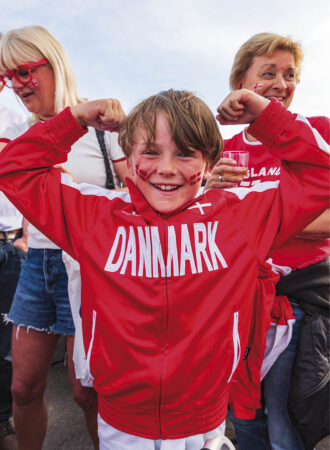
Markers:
144,209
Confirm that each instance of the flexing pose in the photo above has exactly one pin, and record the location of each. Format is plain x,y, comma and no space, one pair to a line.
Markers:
167,278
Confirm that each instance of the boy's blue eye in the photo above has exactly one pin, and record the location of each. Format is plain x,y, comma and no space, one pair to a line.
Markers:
186,154
150,152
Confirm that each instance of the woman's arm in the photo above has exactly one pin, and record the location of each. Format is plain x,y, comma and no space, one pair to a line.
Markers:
121,170
21,243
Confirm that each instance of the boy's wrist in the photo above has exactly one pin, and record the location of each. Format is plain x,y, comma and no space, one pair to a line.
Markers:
271,123
64,129
76,112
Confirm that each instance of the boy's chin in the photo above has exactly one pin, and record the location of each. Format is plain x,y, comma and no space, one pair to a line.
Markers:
166,208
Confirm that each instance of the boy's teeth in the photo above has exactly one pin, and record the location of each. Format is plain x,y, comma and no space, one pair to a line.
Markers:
165,187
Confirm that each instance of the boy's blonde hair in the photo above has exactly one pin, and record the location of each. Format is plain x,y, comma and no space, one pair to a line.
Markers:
191,123
263,44
29,44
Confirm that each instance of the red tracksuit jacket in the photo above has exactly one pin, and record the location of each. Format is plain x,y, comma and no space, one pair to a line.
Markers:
166,299
265,166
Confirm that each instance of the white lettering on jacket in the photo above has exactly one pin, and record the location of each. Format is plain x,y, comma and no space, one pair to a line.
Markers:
263,171
138,251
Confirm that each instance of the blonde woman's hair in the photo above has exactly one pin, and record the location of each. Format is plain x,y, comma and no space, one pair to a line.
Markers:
32,43
263,44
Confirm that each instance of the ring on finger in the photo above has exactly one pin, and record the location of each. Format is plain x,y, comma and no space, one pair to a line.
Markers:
220,178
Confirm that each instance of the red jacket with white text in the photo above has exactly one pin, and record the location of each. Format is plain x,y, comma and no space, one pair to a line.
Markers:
263,167
166,299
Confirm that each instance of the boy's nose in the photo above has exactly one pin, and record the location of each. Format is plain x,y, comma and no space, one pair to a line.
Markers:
166,166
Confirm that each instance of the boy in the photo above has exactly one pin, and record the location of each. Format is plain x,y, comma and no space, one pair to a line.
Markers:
168,279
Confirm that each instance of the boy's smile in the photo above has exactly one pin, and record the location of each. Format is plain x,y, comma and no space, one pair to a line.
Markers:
167,176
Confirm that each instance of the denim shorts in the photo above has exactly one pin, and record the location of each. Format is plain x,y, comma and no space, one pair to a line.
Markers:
41,300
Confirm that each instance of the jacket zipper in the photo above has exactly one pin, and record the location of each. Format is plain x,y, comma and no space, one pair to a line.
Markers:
237,346
164,333
89,353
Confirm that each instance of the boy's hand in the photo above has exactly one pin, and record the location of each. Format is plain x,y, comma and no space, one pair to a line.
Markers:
102,114
241,106
225,174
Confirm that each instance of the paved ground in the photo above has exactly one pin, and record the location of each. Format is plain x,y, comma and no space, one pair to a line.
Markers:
66,424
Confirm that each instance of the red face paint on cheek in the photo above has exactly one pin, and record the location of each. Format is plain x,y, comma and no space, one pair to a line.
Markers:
143,174
195,178
257,86
144,169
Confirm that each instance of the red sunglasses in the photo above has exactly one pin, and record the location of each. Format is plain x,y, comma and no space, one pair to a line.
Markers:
22,73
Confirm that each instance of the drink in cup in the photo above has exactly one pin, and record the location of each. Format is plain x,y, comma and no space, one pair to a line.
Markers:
242,160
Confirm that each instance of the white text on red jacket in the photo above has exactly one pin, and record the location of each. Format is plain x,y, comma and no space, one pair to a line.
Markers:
138,251
263,172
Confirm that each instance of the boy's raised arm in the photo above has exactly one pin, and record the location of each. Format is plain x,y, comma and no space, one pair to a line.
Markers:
103,114
276,211
240,107
46,196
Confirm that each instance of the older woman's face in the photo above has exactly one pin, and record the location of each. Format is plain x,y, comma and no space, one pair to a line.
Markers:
272,77
39,95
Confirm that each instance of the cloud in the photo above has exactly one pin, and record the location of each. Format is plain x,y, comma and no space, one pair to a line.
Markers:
131,49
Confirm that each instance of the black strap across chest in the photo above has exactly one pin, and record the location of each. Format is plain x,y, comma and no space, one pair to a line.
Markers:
109,184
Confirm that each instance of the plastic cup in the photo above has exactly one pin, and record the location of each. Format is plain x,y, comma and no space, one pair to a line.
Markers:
242,160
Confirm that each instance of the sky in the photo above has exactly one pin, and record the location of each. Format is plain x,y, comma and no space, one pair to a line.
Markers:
131,49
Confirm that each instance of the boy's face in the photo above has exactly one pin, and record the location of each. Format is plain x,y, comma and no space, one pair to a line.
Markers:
167,177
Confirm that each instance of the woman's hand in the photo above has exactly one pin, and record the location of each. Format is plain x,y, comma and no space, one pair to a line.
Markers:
21,244
225,174
241,106
64,170
102,114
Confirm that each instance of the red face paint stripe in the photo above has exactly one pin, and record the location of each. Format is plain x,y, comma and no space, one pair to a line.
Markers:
196,181
256,86
141,173
195,178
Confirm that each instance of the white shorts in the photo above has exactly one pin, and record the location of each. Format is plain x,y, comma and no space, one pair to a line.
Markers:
113,439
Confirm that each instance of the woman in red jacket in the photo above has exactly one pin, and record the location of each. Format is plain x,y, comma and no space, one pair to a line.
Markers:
270,65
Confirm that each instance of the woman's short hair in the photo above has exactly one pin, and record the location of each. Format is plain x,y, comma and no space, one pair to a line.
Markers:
191,124
263,44
32,43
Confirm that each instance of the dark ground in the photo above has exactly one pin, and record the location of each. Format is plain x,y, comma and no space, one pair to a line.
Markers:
66,423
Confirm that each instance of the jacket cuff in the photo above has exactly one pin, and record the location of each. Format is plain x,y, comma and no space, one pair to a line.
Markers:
64,129
272,122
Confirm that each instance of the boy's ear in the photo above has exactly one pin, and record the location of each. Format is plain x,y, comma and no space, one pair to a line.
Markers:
130,167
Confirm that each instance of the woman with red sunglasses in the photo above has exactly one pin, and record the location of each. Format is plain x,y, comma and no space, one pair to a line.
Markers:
36,67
